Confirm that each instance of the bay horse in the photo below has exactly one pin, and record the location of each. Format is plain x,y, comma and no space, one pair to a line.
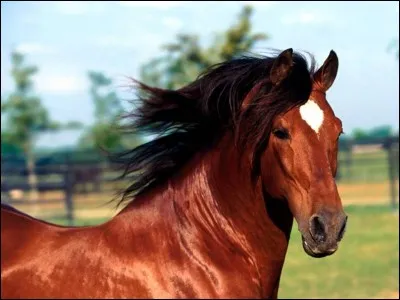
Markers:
241,152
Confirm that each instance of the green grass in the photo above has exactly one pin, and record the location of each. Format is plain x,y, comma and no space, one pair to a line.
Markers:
77,222
365,266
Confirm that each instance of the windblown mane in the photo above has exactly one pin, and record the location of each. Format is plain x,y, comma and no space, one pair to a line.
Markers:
195,117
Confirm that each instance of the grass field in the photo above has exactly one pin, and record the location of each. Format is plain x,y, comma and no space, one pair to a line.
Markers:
365,266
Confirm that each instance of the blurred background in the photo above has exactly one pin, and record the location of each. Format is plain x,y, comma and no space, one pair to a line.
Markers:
66,70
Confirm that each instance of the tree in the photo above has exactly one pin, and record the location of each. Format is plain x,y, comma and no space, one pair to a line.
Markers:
26,117
184,60
378,132
7,146
359,134
382,131
105,130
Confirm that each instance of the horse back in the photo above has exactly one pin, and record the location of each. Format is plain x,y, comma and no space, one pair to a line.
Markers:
21,233
17,230
7,207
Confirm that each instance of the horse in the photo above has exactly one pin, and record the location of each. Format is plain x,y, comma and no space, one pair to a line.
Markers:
238,155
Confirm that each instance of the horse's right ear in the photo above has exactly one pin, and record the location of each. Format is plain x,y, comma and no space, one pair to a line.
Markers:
326,75
282,66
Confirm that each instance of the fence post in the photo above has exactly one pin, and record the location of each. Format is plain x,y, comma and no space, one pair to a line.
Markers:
392,173
349,159
68,191
99,172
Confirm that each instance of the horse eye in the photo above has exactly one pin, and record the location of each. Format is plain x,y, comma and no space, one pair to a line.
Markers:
281,133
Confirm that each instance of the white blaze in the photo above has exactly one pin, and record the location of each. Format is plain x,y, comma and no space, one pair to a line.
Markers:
312,114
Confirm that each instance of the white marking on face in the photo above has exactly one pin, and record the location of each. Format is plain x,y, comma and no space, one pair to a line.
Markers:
312,114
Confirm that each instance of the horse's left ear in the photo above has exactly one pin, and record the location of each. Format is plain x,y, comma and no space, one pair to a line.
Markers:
282,66
326,75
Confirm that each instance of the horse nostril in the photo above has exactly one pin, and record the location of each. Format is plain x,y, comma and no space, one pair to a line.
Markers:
342,230
317,229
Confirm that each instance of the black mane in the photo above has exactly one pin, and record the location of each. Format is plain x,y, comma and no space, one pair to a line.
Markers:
194,117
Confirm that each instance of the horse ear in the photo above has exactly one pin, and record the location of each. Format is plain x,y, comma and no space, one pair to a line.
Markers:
326,75
281,66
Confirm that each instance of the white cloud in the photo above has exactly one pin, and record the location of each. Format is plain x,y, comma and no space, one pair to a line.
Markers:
34,48
172,23
154,4
60,84
306,17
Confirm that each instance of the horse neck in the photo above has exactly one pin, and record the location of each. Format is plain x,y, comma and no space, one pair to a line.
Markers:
258,223
213,198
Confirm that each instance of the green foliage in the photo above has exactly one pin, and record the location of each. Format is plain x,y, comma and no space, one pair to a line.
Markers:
105,132
101,135
359,134
106,103
378,132
25,116
381,131
7,147
185,59
73,125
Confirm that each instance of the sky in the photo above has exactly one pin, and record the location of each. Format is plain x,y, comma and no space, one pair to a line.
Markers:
66,39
